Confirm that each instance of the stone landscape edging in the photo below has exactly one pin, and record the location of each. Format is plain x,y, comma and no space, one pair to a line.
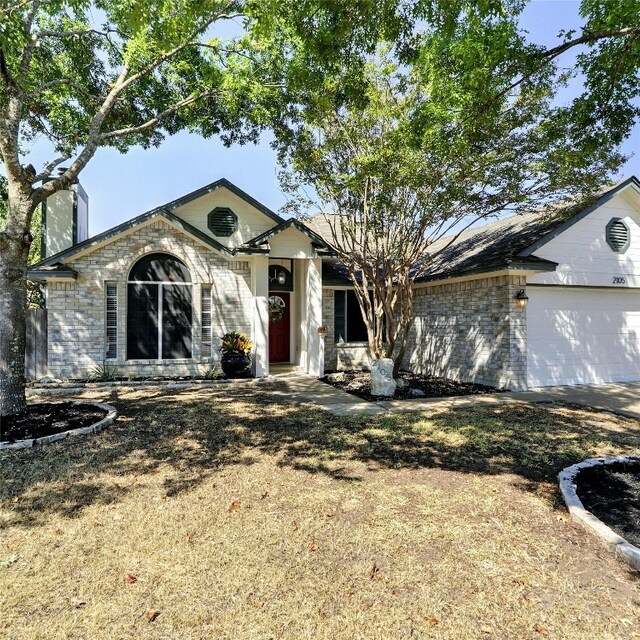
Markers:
80,387
628,552
55,437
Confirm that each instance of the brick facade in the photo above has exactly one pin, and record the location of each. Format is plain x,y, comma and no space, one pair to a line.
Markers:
76,310
471,331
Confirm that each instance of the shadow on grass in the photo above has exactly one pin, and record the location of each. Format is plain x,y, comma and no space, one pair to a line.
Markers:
196,434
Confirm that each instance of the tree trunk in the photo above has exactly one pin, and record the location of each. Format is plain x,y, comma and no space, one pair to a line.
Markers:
407,322
14,252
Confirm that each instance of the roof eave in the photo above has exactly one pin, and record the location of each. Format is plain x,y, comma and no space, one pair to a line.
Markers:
226,184
42,275
524,265
316,241
615,190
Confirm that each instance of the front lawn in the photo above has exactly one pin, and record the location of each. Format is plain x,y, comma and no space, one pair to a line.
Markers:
225,514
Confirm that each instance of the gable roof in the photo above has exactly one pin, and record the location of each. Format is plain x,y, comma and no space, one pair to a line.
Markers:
316,240
510,243
47,268
220,184
39,270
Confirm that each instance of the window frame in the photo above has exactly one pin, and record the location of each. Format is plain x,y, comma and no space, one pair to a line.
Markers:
107,325
158,317
161,285
345,305
206,293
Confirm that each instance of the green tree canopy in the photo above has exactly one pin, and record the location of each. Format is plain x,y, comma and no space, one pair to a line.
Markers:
83,75
436,146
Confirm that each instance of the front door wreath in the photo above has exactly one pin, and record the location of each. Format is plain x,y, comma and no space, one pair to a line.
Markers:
276,308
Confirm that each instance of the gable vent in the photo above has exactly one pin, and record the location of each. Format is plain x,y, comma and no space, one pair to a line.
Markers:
618,235
222,221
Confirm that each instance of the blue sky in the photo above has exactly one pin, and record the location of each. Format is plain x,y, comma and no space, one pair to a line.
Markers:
123,186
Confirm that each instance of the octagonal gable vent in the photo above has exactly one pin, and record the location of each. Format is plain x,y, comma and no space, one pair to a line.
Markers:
618,235
222,221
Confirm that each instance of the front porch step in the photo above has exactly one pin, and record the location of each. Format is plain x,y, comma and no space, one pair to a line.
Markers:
285,370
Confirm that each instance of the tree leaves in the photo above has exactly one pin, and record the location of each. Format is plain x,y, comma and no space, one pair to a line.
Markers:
436,146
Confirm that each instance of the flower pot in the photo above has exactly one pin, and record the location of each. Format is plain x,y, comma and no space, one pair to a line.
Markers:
236,365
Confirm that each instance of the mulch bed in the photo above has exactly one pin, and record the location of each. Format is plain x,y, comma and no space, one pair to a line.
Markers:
47,418
612,493
358,383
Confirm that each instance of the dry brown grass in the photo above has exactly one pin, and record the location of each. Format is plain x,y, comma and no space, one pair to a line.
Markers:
245,518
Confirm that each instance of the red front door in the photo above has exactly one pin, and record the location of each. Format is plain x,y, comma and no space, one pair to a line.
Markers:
279,314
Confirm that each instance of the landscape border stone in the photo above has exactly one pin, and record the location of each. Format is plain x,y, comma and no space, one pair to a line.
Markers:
55,437
628,552
80,387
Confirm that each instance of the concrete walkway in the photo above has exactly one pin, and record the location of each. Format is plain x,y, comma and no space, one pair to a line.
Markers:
623,399
300,387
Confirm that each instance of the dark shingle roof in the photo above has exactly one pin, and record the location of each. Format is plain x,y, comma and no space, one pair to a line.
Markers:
492,246
510,242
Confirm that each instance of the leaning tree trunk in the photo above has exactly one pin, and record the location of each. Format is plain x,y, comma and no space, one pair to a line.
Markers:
14,252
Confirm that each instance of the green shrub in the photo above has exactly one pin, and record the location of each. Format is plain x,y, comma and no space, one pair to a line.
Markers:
234,343
103,373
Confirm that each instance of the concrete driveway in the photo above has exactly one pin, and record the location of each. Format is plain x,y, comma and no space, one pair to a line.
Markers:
619,398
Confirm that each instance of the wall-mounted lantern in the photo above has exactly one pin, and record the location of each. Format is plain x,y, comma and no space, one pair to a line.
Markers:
522,298
280,278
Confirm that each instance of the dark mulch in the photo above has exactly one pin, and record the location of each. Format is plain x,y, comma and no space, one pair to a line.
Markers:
612,493
358,383
47,418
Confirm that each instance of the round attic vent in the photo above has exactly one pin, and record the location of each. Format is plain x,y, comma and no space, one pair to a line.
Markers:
618,235
222,221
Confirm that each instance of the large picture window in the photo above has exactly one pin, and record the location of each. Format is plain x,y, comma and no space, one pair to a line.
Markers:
159,309
349,325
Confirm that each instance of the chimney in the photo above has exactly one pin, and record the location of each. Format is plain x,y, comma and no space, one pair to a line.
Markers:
65,219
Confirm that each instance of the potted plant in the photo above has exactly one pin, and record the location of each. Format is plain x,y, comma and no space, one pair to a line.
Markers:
236,355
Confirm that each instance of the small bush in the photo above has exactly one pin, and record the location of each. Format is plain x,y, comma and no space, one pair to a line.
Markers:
103,373
212,373
234,343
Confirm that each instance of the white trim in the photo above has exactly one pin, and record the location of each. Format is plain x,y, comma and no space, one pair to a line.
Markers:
161,285
137,227
162,282
453,280
478,276
107,284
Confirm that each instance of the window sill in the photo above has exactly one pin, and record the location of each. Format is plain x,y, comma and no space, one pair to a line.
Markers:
352,345
170,361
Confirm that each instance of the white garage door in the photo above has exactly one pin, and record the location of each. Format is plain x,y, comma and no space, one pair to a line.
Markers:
582,336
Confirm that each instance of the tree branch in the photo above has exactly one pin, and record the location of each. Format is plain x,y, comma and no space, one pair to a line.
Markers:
14,7
31,47
47,85
585,38
551,54
149,124
48,168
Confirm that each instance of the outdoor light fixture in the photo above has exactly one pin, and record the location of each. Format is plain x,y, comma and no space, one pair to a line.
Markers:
522,298
278,276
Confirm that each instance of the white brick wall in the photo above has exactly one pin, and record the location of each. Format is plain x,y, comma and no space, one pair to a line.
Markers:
76,310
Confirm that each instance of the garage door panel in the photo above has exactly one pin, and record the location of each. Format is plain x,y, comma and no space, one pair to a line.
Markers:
581,336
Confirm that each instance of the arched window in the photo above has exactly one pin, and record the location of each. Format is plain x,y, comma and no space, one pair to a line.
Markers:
159,309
